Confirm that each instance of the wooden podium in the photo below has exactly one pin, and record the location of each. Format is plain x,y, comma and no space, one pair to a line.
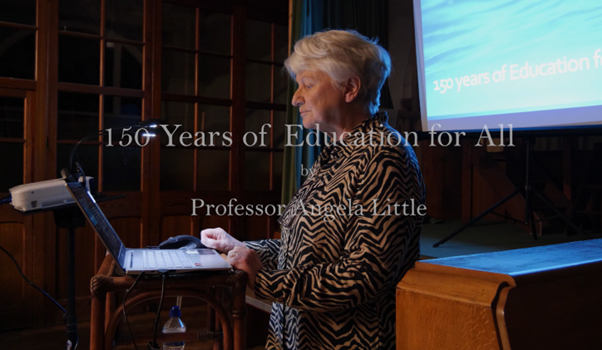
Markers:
106,316
536,298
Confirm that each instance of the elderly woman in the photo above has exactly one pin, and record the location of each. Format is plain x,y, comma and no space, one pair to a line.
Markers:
346,241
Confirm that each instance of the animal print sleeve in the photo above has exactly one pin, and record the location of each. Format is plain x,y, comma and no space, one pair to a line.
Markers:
376,244
268,250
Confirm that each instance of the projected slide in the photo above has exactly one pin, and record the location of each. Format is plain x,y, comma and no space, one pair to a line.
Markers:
530,63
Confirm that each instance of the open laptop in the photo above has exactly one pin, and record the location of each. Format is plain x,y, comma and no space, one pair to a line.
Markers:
135,261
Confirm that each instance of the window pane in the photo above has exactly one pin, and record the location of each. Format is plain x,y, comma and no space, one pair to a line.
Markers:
17,59
258,82
124,19
257,170
255,121
280,43
123,66
177,73
85,155
12,158
280,129
121,166
212,130
278,164
22,11
214,170
12,112
176,113
80,16
77,115
178,25
215,119
79,60
121,112
215,32
259,40
177,167
281,79
215,76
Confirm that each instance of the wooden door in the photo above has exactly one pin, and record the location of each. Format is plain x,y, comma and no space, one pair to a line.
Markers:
16,234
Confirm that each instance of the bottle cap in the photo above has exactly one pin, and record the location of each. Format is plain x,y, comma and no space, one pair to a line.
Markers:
175,311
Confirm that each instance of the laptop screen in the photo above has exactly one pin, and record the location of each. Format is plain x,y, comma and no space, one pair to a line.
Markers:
95,216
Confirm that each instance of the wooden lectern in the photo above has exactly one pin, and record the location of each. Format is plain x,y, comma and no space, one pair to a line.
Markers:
536,298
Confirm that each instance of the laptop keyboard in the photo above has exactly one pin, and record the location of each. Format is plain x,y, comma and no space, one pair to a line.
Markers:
172,259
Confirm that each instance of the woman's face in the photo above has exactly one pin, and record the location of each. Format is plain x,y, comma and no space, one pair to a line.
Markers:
319,102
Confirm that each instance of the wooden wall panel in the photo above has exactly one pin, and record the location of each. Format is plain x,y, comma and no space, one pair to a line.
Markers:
257,227
85,247
85,254
483,196
16,234
441,170
128,230
88,256
217,221
123,207
15,293
172,226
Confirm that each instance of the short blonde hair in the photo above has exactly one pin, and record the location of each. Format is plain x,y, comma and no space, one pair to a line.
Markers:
342,54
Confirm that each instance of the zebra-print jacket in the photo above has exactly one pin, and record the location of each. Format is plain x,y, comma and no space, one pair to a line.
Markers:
345,245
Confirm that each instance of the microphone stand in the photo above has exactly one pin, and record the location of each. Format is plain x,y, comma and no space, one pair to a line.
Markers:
70,217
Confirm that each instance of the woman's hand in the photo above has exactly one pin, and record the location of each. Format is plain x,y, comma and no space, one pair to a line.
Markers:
219,240
245,259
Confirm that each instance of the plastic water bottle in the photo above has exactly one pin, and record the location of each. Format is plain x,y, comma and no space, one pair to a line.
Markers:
174,325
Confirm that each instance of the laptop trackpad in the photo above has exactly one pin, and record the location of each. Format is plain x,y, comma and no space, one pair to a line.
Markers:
203,252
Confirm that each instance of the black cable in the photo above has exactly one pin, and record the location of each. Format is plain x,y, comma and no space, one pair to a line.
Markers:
87,137
31,283
130,129
125,315
6,199
163,276
38,288
90,136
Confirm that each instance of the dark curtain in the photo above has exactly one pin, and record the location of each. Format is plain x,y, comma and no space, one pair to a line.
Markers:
369,18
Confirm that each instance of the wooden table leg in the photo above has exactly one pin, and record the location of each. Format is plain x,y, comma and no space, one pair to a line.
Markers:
239,317
97,321
219,296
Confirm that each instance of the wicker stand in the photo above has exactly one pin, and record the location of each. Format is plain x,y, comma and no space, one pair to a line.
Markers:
106,316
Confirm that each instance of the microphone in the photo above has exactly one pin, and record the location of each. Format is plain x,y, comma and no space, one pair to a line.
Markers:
150,123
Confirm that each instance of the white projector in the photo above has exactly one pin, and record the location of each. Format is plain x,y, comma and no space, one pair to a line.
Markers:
42,195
